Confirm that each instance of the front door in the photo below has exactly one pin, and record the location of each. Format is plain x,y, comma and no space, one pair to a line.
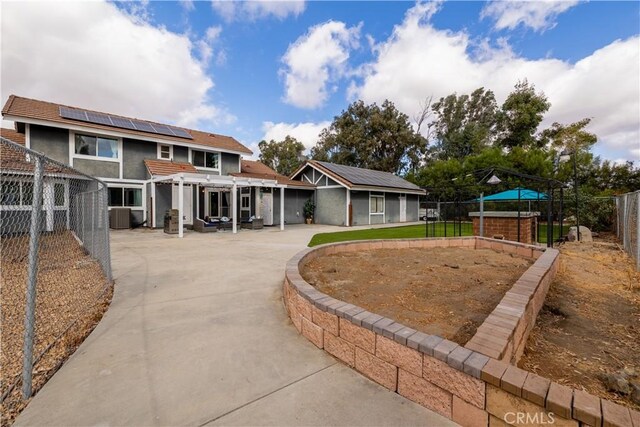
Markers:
403,209
187,205
267,208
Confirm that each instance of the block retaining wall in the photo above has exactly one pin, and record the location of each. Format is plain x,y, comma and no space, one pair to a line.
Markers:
473,385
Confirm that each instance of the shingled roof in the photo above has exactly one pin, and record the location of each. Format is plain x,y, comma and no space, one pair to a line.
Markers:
26,108
258,170
354,177
168,167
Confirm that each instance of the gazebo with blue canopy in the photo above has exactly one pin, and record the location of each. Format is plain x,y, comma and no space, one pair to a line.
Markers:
516,194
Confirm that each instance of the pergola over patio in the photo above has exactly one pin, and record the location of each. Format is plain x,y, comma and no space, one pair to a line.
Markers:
231,182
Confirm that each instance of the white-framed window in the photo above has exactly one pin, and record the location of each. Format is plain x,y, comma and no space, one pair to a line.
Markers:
376,204
165,152
125,197
205,159
15,193
96,146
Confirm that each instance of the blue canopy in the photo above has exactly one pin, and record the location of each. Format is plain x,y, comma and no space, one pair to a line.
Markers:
511,195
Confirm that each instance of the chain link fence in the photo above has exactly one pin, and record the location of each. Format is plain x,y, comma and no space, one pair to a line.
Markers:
628,224
55,267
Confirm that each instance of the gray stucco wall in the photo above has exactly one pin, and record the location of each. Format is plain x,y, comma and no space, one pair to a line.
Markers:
412,207
360,207
294,201
392,207
162,202
229,163
133,156
180,154
330,206
98,168
53,142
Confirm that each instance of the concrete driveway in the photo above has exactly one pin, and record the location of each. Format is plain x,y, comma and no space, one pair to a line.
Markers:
197,334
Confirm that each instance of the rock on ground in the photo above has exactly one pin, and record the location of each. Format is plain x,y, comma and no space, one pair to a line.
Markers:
585,234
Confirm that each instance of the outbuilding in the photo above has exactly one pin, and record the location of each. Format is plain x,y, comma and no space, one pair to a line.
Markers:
347,195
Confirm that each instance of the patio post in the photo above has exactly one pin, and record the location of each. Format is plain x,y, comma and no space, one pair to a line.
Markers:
281,208
181,206
234,203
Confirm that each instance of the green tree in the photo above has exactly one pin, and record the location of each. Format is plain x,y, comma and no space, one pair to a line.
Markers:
282,156
521,114
465,124
372,137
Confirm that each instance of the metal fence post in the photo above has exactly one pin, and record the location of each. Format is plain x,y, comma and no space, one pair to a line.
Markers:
105,222
30,316
638,231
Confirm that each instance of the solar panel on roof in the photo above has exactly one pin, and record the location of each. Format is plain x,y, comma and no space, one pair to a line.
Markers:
122,123
143,126
72,113
181,133
99,118
162,129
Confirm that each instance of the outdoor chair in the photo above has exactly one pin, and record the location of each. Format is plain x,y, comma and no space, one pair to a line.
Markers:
205,226
252,223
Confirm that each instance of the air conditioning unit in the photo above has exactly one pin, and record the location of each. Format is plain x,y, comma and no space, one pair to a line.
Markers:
120,218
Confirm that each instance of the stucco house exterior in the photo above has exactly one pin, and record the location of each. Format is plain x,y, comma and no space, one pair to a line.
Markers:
152,167
346,195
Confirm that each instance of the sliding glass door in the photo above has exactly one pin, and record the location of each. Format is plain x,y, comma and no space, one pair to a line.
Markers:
219,203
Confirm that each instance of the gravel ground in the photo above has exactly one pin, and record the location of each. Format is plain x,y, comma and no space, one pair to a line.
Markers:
72,295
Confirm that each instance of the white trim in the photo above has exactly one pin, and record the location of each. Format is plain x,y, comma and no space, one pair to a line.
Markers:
72,149
203,168
197,201
72,127
125,180
143,196
234,208
388,190
154,219
346,221
331,186
159,151
180,206
321,172
27,135
384,206
281,208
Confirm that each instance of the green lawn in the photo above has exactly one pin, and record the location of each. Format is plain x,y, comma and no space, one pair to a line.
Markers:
408,232
404,232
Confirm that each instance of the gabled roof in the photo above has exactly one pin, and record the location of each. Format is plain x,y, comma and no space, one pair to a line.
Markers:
48,111
167,167
354,177
258,170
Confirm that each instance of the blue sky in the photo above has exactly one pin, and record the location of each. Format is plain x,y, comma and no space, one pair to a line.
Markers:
258,70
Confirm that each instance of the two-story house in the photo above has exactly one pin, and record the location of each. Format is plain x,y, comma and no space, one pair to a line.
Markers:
151,167
128,153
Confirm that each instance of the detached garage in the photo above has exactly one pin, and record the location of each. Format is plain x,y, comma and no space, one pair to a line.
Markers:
347,195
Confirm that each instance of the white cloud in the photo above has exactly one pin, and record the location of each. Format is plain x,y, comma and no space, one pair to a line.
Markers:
231,10
307,133
107,61
187,5
316,59
205,47
419,60
537,15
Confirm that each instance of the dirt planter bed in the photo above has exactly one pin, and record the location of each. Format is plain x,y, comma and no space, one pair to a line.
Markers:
475,384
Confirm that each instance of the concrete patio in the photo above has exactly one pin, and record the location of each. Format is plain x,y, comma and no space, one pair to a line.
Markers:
197,334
